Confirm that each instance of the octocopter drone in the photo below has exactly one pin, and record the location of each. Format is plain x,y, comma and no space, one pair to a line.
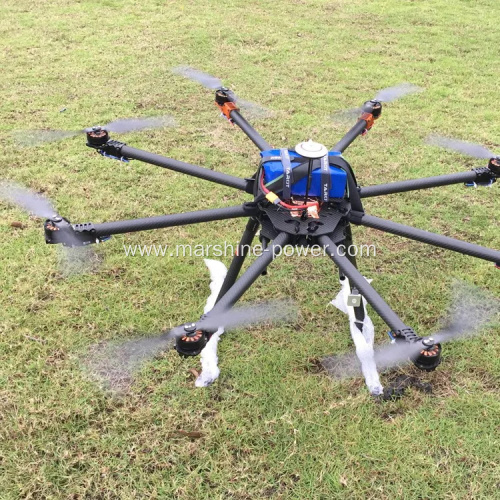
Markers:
303,196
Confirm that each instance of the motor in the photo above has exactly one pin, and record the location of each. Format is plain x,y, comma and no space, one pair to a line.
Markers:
192,342
429,358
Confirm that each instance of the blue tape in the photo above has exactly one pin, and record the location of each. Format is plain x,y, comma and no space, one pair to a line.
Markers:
119,158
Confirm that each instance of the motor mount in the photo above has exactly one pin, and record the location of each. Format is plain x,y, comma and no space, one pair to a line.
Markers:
59,230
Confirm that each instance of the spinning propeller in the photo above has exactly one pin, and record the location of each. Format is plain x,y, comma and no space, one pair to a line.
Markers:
36,137
114,363
464,147
472,309
213,83
388,94
76,257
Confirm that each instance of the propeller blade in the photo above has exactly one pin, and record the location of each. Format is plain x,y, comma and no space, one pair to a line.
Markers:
248,315
30,138
126,125
211,82
208,81
255,111
390,94
347,115
73,259
464,147
29,201
78,260
114,363
472,309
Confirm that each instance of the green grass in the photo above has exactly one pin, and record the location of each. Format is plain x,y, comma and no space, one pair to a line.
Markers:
272,427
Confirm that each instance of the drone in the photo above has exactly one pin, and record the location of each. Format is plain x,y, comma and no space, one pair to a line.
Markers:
302,196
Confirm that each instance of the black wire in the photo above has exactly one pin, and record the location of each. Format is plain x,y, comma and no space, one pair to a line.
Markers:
308,186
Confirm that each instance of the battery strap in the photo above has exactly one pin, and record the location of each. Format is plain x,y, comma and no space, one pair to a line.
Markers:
352,184
299,172
325,178
287,174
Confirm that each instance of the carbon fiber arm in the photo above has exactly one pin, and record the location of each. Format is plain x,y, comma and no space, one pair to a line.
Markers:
358,280
357,129
476,175
161,221
427,237
121,149
249,131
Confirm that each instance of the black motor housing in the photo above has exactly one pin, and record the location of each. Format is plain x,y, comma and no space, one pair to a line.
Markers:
494,165
192,342
429,358
97,137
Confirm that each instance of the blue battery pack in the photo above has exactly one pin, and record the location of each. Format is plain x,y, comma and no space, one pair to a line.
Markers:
274,169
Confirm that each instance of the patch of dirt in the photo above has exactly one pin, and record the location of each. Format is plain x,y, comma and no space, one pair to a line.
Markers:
398,383
338,367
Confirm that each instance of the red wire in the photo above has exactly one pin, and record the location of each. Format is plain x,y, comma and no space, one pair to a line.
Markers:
286,205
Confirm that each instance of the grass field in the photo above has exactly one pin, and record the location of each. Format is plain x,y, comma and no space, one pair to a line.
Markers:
271,426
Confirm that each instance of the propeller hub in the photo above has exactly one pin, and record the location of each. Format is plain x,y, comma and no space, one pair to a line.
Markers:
377,108
190,327
428,342
374,107
223,95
